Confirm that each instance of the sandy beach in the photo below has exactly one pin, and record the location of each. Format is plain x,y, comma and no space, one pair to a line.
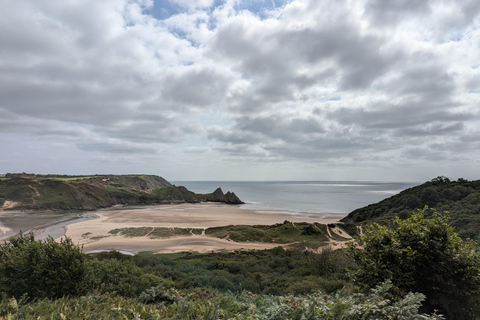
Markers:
94,234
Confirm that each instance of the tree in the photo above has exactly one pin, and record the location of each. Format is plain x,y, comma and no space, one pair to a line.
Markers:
422,255
41,269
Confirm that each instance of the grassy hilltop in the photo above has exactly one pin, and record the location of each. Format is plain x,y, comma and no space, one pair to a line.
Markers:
460,200
52,192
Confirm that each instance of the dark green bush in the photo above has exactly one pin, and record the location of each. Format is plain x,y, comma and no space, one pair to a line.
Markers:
423,255
41,269
121,277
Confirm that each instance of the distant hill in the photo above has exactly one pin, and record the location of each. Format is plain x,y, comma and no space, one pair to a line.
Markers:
460,198
60,192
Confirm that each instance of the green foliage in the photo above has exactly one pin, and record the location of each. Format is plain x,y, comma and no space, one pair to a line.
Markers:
155,232
276,271
160,296
460,198
105,307
121,277
41,269
282,233
423,255
201,304
125,287
301,234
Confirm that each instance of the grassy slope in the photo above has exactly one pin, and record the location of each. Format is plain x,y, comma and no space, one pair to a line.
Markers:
90,192
461,199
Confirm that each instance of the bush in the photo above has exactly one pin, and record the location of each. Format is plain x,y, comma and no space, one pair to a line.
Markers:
121,277
41,269
423,255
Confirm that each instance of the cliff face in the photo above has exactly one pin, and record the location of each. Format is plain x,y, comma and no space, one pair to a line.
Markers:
219,196
21,192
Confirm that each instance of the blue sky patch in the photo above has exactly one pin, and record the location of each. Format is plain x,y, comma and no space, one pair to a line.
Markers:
260,7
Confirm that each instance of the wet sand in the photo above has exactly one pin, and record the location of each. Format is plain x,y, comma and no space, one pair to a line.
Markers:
91,229
94,234
40,223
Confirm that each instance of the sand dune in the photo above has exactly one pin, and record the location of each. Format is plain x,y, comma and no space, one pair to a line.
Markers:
94,234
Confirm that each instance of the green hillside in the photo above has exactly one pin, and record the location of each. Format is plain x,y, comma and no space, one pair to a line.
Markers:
461,199
52,192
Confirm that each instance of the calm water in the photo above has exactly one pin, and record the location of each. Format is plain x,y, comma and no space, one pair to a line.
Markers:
332,198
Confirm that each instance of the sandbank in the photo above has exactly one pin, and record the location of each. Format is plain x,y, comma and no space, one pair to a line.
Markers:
94,234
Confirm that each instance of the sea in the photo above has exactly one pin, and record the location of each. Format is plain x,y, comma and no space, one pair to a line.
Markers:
323,199
333,199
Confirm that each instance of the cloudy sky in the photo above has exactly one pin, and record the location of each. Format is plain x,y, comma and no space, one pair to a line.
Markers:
241,90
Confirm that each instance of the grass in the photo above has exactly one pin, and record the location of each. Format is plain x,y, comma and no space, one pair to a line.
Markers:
155,233
73,178
90,307
288,232
336,236
297,234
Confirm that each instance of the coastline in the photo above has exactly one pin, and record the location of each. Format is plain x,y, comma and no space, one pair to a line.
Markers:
90,229
94,235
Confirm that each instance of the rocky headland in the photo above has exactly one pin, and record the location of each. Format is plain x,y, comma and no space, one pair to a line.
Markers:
61,192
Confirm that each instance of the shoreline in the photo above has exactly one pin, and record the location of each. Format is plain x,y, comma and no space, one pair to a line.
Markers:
94,235
91,229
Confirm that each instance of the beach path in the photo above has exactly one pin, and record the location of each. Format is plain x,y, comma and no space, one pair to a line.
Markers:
94,234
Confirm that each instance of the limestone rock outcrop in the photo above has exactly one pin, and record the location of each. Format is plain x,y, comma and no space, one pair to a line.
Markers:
219,196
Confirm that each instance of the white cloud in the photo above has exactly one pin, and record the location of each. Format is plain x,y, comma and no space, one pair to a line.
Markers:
294,83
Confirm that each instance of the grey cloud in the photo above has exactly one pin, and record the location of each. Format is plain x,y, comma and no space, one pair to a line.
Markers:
233,136
76,70
396,116
281,127
102,77
358,56
118,147
150,131
388,12
243,151
249,130
467,138
425,79
196,149
269,59
12,123
195,87
435,129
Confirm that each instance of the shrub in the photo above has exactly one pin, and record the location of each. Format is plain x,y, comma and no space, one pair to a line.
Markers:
121,277
41,269
423,255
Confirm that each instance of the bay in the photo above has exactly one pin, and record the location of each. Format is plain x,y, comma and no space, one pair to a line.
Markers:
322,198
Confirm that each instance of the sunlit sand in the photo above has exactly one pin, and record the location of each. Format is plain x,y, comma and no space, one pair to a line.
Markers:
94,234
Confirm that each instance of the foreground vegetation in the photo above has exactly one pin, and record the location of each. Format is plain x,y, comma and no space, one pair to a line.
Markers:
416,269
155,304
423,255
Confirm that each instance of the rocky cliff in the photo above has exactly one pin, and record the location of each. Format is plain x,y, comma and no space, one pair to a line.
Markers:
50,192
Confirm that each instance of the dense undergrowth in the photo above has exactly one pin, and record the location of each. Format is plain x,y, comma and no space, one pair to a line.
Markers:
201,304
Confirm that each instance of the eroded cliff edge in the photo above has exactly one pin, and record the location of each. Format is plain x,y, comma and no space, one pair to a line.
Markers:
59,192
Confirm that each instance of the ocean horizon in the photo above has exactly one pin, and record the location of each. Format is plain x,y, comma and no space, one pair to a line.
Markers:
322,198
